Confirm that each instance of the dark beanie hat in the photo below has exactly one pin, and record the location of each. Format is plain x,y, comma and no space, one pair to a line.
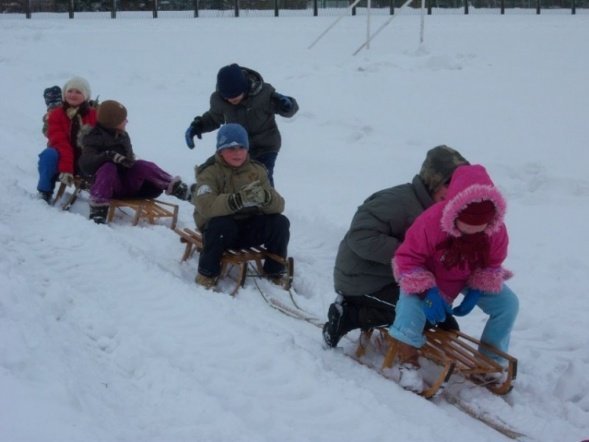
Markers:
111,113
231,81
439,165
479,213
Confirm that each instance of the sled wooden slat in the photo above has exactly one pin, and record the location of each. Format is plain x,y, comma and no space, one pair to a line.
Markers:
145,209
234,258
79,185
454,351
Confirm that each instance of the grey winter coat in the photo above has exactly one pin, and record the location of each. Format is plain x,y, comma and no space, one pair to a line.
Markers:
256,113
363,262
216,181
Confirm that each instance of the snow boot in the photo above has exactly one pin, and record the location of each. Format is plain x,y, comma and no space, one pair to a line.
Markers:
190,192
45,196
489,379
279,279
98,214
410,376
338,323
206,281
180,190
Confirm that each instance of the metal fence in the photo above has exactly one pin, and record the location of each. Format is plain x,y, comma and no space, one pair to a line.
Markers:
235,7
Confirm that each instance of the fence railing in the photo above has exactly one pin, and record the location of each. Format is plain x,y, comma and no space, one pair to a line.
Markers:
196,7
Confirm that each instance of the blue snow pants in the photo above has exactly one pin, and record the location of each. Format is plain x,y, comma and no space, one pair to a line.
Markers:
501,307
48,171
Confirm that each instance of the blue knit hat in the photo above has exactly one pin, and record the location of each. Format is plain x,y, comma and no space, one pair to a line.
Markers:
231,81
231,135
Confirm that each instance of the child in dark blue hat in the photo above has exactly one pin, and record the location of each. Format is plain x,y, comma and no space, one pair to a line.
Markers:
243,97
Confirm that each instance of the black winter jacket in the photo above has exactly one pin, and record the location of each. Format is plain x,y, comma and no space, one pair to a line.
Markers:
96,145
256,113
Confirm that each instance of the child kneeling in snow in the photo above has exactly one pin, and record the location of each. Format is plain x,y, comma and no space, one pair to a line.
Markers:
457,245
109,162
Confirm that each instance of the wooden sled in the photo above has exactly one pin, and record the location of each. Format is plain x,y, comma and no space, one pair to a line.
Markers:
236,258
145,209
454,352
79,185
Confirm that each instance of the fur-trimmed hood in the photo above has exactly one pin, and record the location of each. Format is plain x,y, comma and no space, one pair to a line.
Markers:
471,184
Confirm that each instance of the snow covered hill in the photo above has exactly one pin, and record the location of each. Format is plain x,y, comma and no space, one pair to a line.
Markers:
103,334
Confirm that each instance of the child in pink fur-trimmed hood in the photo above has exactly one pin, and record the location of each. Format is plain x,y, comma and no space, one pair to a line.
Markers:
457,245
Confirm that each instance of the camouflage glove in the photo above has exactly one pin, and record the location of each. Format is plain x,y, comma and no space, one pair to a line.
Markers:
250,195
254,194
66,178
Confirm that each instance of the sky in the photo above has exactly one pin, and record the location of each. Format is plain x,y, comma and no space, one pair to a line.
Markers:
105,337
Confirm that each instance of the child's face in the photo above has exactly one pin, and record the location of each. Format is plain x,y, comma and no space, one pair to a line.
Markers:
74,97
235,100
123,125
234,156
468,229
440,194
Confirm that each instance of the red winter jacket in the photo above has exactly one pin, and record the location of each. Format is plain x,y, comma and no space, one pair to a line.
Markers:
59,136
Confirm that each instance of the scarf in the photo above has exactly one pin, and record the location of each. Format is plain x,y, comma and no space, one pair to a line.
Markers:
466,251
75,114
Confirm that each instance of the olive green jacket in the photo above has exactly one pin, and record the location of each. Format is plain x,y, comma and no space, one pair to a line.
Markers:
216,181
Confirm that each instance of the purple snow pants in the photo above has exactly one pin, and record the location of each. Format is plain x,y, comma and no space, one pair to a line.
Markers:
142,180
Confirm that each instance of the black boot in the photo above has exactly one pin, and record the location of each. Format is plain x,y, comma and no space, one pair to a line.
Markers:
45,196
98,214
180,190
190,192
338,323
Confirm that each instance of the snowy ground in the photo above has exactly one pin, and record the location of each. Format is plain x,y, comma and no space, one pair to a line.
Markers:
103,334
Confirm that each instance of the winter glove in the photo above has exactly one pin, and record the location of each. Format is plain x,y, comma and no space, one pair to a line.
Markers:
53,97
434,307
195,129
471,298
66,178
250,195
254,194
284,103
117,158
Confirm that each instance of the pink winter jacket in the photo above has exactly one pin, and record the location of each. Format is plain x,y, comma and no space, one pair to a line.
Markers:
417,264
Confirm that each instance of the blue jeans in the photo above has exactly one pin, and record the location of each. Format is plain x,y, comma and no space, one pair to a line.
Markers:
501,307
268,159
47,166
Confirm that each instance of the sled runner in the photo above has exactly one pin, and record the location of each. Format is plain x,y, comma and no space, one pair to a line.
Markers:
236,258
79,185
454,352
145,209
